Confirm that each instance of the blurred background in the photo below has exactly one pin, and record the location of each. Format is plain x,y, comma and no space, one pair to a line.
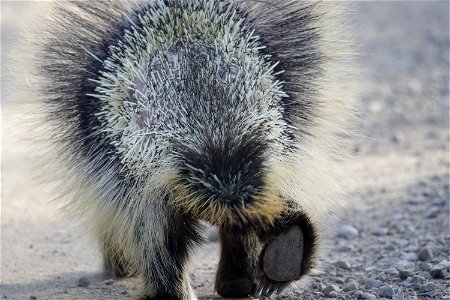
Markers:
392,242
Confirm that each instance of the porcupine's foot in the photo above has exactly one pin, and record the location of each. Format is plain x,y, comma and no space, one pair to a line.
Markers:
285,257
233,278
280,262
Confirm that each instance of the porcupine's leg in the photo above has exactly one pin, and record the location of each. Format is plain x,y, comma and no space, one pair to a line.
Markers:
162,240
238,258
286,255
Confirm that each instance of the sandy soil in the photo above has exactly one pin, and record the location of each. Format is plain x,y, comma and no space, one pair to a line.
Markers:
399,240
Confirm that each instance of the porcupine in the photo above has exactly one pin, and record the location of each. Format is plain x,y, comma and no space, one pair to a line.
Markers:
165,113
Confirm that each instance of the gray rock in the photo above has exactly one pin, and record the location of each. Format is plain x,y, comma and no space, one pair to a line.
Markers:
372,283
418,279
398,296
348,232
342,264
447,203
427,287
370,268
404,274
432,212
446,297
351,286
212,234
410,256
108,281
414,285
389,247
418,199
33,298
429,294
424,274
439,272
424,266
318,286
400,264
380,231
333,295
407,281
83,282
331,288
361,295
344,248
385,291
391,271
338,280
426,254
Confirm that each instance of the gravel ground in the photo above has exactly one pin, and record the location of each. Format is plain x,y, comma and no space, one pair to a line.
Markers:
392,242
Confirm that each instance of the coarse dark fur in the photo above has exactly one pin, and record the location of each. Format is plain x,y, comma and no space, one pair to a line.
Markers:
239,127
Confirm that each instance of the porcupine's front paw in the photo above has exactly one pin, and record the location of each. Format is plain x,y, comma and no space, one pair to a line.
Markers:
280,261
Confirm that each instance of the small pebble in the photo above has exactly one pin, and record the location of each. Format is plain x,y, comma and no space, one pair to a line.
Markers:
380,231
417,278
447,203
404,274
331,288
400,264
342,264
351,286
83,282
318,286
108,281
398,296
446,297
391,271
344,248
389,247
372,283
432,212
65,291
425,254
370,268
385,291
424,274
427,287
361,295
213,234
424,266
417,199
124,292
410,256
33,298
333,294
430,294
438,272
414,285
338,280
348,232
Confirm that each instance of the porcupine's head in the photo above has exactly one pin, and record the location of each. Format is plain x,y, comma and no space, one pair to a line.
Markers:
202,101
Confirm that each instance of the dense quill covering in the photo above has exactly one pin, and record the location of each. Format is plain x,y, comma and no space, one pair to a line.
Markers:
168,112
